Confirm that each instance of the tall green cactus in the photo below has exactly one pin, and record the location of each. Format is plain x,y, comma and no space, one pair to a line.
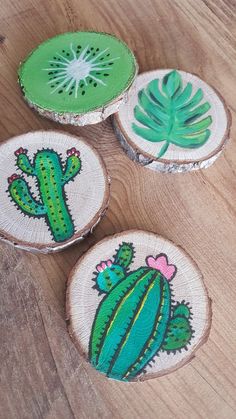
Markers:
135,319
51,176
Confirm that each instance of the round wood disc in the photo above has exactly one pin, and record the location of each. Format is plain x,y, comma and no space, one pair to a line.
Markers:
54,190
137,306
78,78
173,122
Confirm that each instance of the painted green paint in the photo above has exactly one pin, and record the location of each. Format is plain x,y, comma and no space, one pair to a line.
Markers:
136,318
77,72
114,272
168,112
50,175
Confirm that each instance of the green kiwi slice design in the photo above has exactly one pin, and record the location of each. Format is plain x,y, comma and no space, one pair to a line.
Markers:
77,72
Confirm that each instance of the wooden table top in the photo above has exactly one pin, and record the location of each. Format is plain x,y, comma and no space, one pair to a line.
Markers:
42,375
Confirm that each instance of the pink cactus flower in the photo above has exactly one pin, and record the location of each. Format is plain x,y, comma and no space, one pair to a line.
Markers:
73,152
104,265
13,177
161,264
21,150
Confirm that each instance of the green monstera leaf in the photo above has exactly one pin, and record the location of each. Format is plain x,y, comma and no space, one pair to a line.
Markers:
172,114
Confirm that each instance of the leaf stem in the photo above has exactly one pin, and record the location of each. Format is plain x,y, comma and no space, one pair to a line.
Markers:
163,149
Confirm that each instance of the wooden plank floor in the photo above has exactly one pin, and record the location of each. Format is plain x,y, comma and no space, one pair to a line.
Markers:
41,373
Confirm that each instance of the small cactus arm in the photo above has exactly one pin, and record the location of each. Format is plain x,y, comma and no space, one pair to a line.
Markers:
109,273
135,320
51,177
179,331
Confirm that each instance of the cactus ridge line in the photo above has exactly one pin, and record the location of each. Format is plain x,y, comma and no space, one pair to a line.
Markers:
133,318
112,311
141,361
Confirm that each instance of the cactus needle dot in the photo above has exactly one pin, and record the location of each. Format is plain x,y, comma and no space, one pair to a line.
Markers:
54,190
173,122
78,78
137,306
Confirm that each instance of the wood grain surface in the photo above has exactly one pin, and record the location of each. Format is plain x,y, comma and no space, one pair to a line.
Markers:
41,374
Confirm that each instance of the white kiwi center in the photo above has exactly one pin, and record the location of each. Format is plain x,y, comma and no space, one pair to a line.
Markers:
79,70
69,72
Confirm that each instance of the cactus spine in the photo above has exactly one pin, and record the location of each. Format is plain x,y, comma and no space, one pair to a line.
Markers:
135,320
51,177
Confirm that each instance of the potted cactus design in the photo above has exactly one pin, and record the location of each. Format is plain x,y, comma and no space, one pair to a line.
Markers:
137,317
51,176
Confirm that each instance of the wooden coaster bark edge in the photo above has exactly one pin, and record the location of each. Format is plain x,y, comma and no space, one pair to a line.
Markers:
89,118
166,166
80,235
148,376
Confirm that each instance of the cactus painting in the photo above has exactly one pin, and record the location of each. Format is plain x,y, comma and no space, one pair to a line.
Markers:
169,112
51,175
137,317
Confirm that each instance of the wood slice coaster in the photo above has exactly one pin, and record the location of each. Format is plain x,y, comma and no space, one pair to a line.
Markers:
54,190
78,78
137,306
173,122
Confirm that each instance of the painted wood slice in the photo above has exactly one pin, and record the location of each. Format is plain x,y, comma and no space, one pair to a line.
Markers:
173,122
54,190
137,306
78,78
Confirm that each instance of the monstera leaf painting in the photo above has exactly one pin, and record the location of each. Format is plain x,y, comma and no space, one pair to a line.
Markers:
170,112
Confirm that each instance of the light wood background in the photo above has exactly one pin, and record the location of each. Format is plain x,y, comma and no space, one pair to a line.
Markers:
42,375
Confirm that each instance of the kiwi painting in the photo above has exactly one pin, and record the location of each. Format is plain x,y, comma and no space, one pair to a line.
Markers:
55,189
173,122
137,307
78,78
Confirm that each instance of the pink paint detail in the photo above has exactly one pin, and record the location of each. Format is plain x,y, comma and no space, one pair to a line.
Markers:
13,177
103,265
99,268
73,152
161,264
21,150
